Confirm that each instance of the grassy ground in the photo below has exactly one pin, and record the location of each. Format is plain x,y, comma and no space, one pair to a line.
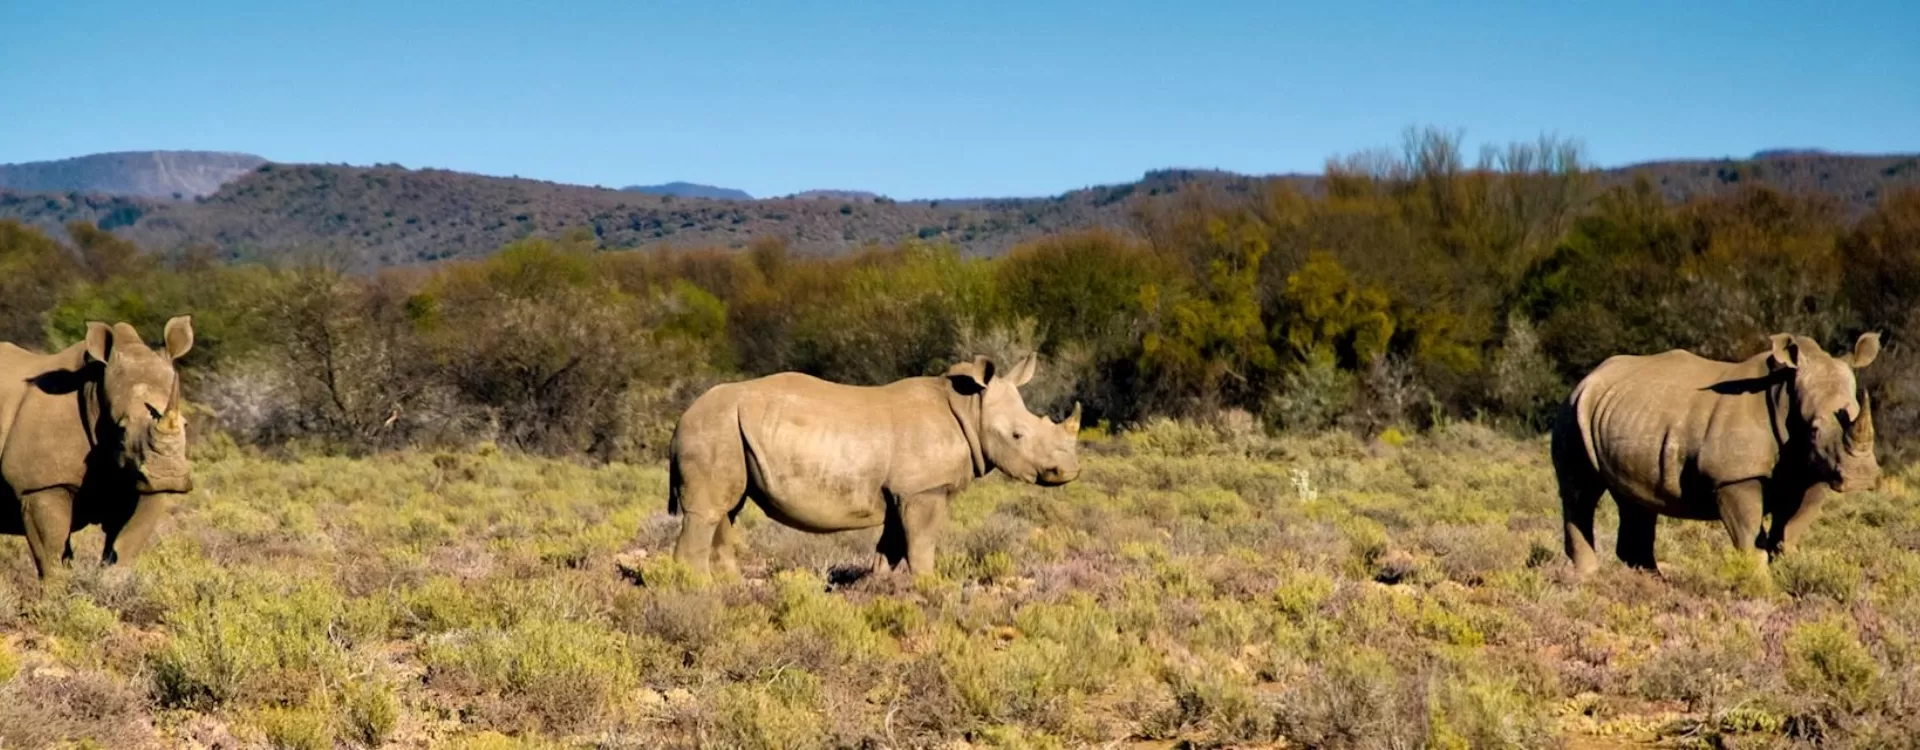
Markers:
1192,587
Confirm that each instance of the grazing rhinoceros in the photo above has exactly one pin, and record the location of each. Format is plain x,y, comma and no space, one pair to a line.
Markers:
92,434
1675,434
824,457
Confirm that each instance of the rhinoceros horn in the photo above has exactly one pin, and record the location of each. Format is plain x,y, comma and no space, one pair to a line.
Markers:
1072,423
1860,433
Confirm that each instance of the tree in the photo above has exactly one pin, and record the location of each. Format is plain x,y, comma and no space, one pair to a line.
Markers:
34,272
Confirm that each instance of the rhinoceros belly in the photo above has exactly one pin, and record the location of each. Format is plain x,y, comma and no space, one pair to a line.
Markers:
814,469
1646,445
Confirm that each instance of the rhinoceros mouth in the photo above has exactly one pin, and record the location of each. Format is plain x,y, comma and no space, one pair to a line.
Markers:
1055,477
163,465
168,485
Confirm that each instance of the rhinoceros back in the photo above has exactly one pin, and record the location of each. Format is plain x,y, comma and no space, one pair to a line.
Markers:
1664,429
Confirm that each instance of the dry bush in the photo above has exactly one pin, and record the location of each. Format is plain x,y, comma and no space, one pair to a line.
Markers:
74,709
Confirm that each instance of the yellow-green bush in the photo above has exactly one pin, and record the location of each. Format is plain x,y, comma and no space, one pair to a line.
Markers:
1826,659
783,713
257,638
558,673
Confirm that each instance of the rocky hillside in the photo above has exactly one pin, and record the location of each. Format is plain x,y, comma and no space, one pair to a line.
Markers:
390,215
146,174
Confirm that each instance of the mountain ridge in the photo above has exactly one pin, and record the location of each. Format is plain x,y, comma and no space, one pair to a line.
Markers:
390,215
682,189
148,174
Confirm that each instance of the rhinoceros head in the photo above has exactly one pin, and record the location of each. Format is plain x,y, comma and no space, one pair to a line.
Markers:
140,395
1022,444
1831,419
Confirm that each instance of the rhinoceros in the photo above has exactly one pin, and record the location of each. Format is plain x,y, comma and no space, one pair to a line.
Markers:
823,457
89,435
1675,434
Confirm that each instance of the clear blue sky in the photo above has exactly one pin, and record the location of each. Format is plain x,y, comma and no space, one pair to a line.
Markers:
966,99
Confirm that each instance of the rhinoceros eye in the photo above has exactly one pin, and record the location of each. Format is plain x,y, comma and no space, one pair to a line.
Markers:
1019,435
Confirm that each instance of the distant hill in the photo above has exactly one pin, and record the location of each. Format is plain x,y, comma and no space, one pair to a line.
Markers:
855,196
388,215
1857,181
145,174
691,190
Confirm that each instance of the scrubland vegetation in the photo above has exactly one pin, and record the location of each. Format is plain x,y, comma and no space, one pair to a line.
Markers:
1414,286
1316,508
1201,583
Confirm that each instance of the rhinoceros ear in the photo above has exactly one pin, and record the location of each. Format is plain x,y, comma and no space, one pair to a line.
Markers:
99,341
1865,350
179,336
973,376
1023,372
1786,353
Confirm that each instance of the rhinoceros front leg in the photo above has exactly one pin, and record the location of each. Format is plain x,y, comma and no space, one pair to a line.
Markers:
1742,508
892,548
1791,522
923,516
1635,543
48,515
129,539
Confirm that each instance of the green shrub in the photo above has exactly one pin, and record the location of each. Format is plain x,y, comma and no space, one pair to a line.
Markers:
806,613
260,639
1312,395
490,740
1216,701
372,711
895,617
1826,661
9,662
1470,711
298,728
1817,572
558,673
783,713
78,622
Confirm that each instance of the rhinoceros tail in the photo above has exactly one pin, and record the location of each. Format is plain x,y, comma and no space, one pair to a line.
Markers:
676,481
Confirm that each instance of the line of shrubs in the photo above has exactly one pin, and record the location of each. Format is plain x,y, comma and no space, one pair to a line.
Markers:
1411,288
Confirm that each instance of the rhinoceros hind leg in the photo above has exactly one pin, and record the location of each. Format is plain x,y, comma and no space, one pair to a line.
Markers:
726,544
1577,504
49,520
1580,490
712,488
1635,545
701,537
